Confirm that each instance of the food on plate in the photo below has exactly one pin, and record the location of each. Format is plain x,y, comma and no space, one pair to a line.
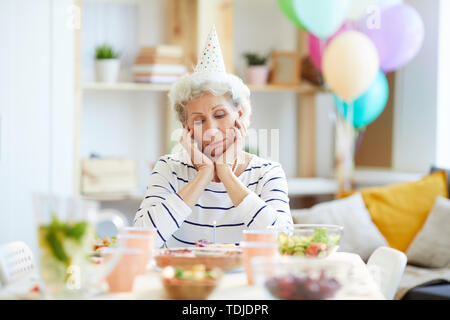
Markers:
106,242
194,282
203,243
291,287
224,258
195,273
320,244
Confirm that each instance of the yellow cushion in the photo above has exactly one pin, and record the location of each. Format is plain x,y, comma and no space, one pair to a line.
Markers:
399,211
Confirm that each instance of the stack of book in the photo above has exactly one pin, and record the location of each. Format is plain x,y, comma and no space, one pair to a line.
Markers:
159,64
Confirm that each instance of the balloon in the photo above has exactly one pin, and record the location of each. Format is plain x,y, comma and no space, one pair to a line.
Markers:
316,46
360,8
321,17
350,64
288,9
368,106
399,37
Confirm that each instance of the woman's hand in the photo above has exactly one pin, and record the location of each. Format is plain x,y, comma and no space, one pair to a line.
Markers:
198,158
224,163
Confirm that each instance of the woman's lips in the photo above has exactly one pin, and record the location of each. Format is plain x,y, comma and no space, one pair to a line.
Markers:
215,143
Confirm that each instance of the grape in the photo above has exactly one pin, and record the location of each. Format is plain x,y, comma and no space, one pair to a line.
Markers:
292,287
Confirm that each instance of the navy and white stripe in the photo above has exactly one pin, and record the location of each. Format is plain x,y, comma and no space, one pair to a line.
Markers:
179,225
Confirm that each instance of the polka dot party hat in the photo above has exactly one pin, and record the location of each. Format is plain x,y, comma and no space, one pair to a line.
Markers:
211,60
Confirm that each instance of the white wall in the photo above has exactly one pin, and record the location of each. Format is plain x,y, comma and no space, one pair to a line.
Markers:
36,110
415,112
443,104
123,124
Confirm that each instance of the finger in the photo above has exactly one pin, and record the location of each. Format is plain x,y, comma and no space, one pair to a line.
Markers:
238,124
238,134
245,130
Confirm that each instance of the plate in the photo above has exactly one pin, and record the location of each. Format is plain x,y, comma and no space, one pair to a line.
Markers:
223,258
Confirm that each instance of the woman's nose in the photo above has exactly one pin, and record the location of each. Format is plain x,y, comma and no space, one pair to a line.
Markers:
210,130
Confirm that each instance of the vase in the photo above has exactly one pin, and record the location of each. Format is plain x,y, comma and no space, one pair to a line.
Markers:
257,75
107,70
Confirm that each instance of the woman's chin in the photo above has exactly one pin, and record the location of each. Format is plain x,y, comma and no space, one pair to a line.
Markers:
216,153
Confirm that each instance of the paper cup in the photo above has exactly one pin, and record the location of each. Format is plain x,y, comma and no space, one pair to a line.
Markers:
121,279
256,249
263,235
144,242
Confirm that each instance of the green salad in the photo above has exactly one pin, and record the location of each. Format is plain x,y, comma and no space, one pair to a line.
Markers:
318,245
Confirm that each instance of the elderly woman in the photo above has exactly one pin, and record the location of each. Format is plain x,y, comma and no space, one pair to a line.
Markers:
212,183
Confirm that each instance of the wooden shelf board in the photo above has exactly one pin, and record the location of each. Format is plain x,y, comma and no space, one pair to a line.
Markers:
132,86
113,197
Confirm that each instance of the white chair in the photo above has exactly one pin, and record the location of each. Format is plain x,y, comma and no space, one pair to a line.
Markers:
386,266
16,261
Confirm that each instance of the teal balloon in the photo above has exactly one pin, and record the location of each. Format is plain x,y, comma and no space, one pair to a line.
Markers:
322,17
288,9
368,106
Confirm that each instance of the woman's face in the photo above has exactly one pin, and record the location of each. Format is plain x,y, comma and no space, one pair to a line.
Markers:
212,119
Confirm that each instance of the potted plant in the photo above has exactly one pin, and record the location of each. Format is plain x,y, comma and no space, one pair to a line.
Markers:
257,70
107,64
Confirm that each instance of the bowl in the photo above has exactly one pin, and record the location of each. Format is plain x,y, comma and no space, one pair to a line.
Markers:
190,283
309,240
223,258
300,278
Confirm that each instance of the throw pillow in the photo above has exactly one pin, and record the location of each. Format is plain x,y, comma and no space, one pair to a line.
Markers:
431,246
400,210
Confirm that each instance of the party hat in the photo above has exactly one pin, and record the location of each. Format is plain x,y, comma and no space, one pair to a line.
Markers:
211,59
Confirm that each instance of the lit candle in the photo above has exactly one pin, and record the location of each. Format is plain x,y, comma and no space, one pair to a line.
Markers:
214,227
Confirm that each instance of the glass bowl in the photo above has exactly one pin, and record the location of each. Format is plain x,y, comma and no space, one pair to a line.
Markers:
300,278
309,240
192,283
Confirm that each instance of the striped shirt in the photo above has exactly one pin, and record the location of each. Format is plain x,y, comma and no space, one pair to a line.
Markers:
179,225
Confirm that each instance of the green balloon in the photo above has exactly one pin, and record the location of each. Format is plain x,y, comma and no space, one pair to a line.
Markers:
321,17
288,9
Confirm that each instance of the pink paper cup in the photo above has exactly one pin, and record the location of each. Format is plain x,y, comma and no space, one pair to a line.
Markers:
121,279
263,235
143,242
256,249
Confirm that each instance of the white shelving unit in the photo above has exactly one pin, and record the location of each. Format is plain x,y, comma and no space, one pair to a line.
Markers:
305,95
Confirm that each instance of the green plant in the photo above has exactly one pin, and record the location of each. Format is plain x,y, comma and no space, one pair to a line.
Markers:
254,59
105,51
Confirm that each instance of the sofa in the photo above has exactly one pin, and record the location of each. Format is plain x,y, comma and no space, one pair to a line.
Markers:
412,217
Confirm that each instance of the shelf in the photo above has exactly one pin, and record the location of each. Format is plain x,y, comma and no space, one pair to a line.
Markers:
114,1
112,197
298,187
126,86
132,86
370,176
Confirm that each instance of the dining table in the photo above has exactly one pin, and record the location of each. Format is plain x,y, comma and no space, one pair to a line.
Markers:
232,286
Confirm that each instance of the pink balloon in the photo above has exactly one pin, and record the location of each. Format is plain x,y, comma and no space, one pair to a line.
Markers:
316,47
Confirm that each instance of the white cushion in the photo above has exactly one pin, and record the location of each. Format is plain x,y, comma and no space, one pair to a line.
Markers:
360,235
431,246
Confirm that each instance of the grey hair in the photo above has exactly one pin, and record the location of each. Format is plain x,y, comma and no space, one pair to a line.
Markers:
193,85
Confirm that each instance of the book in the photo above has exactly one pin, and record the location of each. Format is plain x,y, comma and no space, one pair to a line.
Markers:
163,50
156,79
155,59
160,68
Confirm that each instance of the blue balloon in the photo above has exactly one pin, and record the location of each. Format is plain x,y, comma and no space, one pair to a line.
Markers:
368,106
